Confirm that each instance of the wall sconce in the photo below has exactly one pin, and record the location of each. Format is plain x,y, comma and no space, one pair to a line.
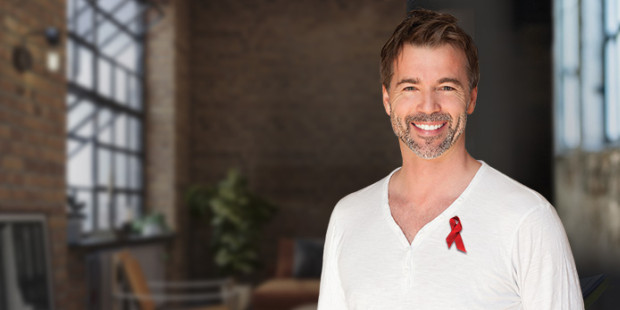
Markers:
22,58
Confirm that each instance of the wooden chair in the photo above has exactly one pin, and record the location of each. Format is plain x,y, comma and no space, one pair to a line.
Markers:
133,290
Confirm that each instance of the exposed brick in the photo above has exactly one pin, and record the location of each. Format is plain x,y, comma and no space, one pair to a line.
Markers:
32,131
11,163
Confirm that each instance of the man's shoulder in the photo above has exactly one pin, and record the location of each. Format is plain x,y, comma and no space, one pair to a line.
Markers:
498,189
370,196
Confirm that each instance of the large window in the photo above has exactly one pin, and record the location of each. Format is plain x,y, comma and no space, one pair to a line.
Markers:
105,109
587,74
612,68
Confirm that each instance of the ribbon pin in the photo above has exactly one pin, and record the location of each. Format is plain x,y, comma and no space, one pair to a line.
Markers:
455,234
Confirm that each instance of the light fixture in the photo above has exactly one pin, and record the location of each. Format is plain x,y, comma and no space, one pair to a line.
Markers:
22,58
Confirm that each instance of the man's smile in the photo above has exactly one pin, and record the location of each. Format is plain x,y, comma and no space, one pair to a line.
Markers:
429,126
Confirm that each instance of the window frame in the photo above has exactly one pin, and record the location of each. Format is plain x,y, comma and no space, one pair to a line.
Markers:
133,113
590,118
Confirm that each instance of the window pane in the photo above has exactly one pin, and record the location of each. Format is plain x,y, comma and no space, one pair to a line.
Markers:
134,92
117,44
612,15
82,3
127,57
105,31
71,99
121,131
121,174
105,78
121,86
611,90
85,23
124,212
136,202
104,211
127,12
71,61
105,126
79,172
70,8
80,116
109,5
104,172
73,146
134,134
572,126
135,173
570,26
84,71
86,198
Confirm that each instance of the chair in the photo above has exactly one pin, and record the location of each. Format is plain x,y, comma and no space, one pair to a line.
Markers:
592,288
132,289
286,289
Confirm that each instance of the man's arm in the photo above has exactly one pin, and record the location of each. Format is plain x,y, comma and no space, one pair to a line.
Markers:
544,265
331,296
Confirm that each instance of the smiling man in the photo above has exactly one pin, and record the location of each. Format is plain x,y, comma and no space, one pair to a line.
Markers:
443,231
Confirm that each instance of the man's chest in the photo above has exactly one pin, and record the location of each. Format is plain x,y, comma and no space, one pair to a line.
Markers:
423,278
412,218
379,270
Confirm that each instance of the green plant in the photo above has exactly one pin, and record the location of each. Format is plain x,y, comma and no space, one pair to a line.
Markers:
236,216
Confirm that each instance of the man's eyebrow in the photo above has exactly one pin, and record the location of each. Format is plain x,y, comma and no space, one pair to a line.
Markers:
451,80
409,80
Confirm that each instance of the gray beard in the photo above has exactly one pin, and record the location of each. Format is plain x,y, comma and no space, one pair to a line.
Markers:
425,150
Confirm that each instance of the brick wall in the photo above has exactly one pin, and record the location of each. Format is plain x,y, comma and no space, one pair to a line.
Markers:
32,131
289,92
167,125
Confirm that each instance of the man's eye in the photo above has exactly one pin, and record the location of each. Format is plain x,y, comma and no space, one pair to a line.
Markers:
448,88
409,88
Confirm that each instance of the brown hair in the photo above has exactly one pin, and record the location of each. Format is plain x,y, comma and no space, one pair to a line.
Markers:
427,28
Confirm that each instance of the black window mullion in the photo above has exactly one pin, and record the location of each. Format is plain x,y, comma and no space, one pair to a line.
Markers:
83,143
95,137
140,121
83,123
119,150
95,170
112,12
85,44
114,21
112,198
100,100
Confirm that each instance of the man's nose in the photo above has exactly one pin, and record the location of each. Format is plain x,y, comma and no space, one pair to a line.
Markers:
429,104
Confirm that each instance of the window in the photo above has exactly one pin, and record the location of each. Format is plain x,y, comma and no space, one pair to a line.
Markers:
612,68
587,62
105,154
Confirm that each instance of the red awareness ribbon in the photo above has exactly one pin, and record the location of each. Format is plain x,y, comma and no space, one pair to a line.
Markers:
455,234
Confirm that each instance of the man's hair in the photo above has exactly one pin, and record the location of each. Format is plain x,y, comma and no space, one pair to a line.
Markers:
432,29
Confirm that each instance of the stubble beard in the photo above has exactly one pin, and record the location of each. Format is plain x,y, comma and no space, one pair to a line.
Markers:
426,149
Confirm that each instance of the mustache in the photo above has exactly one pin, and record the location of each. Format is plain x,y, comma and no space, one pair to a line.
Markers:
435,117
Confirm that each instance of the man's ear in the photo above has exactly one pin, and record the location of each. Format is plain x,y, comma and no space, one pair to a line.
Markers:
386,100
472,100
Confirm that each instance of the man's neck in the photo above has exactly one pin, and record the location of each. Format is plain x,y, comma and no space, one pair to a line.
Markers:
420,180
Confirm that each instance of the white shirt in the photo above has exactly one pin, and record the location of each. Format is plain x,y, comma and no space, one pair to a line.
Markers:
518,256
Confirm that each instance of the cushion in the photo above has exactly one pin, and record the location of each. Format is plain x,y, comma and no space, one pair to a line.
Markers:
285,294
308,258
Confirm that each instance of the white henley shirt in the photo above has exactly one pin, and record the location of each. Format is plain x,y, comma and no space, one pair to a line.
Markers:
518,256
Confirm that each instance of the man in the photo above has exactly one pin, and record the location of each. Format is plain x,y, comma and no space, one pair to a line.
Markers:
444,231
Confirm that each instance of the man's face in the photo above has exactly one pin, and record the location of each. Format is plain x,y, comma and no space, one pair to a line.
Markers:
429,99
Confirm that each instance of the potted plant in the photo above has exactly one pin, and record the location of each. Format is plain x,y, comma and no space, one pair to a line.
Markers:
236,216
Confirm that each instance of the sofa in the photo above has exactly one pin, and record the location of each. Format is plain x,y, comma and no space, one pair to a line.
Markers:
296,279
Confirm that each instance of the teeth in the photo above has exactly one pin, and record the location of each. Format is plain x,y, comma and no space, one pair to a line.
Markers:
428,127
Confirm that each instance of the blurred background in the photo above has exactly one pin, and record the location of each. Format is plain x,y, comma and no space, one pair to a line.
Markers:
153,126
